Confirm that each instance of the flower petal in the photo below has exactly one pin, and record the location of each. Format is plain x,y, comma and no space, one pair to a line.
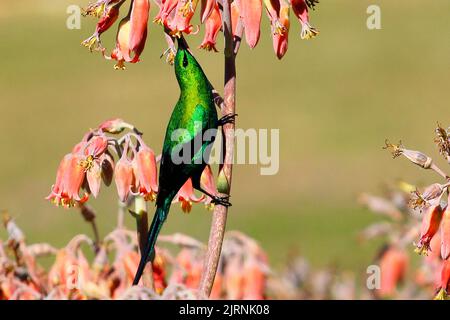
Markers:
251,11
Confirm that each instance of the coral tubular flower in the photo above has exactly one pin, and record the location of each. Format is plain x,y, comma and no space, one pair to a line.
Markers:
280,37
445,234
124,177
131,35
96,146
393,265
144,166
207,7
186,197
251,11
255,280
445,281
235,18
159,273
273,10
181,21
165,9
430,225
213,25
300,9
108,16
92,162
69,179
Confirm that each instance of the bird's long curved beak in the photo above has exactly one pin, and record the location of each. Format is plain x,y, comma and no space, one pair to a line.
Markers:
182,44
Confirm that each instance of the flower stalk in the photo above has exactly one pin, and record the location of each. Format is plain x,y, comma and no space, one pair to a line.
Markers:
220,213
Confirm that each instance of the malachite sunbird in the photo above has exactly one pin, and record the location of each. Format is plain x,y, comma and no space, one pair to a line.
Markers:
194,117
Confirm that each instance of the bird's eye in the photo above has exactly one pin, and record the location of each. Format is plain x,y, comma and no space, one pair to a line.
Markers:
185,60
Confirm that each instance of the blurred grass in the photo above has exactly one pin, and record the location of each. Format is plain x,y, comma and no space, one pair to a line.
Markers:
335,100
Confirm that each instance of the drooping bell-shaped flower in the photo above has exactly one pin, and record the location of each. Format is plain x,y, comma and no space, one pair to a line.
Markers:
186,196
69,179
250,12
445,234
235,18
166,7
279,19
430,225
144,166
92,162
393,265
132,34
300,8
213,24
124,176
445,281
108,12
207,7
181,21
255,280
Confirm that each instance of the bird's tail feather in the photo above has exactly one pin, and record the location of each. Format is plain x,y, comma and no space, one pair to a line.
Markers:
155,228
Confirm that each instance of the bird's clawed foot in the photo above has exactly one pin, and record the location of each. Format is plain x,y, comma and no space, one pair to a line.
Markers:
229,118
224,201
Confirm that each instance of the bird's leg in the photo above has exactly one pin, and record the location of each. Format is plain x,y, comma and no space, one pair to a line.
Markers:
229,118
224,201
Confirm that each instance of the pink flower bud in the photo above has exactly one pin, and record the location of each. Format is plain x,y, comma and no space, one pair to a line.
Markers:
114,126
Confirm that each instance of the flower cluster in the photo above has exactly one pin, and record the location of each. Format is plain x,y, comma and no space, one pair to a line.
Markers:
428,205
102,155
174,274
175,16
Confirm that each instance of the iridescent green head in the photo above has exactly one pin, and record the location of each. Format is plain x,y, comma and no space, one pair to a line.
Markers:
188,71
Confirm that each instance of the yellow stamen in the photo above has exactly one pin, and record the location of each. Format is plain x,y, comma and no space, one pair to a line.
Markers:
120,65
96,10
150,197
422,251
308,31
187,8
278,28
175,33
93,43
395,149
88,163
442,295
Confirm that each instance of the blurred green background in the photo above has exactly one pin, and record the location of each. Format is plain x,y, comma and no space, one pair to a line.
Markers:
335,99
